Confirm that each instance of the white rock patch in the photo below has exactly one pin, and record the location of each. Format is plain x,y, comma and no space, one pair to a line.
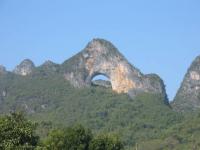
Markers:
194,75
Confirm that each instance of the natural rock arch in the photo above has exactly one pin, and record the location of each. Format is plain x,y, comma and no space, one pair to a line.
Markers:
102,57
101,80
98,75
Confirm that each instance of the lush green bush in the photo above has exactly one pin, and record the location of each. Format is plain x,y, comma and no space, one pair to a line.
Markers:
106,142
72,138
56,140
17,133
79,138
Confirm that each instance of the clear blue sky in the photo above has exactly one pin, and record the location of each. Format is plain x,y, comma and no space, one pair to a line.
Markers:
159,36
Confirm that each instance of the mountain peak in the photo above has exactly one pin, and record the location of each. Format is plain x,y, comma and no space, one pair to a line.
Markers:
49,67
101,46
188,97
48,63
25,68
99,41
101,57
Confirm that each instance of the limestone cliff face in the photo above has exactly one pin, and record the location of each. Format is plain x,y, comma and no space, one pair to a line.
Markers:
25,68
100,57
188,96
2,70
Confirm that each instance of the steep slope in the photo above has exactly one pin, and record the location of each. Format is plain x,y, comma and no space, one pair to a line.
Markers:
102,57
145,120
188,96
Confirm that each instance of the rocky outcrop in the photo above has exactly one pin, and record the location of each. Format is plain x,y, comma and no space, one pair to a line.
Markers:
188,96
25,68
100,57
2,70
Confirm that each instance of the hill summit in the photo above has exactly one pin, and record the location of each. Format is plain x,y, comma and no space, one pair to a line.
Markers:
24,68
188,96
101,57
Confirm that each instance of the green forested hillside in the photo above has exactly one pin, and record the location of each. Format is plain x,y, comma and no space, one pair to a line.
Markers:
143,123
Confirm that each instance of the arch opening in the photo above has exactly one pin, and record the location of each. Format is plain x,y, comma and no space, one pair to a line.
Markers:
101,80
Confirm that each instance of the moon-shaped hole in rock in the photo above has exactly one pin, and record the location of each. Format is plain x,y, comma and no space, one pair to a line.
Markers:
101,80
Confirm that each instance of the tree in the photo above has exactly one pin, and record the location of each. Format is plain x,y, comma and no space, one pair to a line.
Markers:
56,140
16,132
73,138
106,142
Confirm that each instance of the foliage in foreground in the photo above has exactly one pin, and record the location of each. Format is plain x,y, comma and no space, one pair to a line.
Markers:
18,133
74,138
106,142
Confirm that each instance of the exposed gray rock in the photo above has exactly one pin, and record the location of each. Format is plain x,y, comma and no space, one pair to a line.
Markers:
25,68
100,57
3,94
188,96
2,70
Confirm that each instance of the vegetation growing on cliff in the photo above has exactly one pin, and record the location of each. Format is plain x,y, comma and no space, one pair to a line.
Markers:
143,122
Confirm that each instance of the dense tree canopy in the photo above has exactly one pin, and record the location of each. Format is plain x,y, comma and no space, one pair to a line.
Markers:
106,142
72,138
79,138
144,122
17,133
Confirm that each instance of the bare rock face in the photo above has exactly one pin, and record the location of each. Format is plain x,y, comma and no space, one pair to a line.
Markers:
2,70
25,68
188,96
100,57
